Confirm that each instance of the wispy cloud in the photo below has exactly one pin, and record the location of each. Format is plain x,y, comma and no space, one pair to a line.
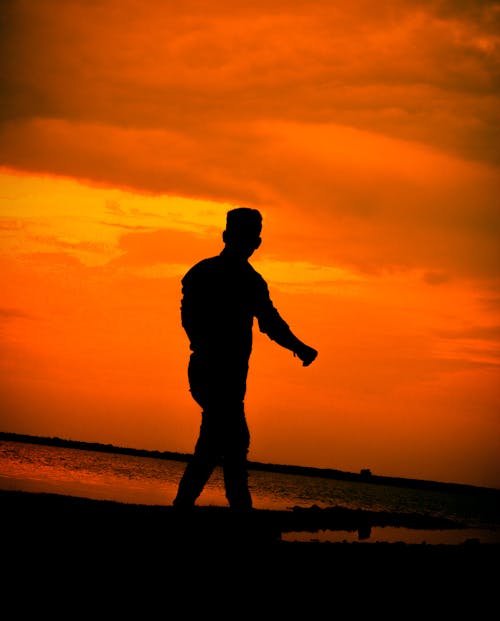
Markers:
7,313
480,333
127,227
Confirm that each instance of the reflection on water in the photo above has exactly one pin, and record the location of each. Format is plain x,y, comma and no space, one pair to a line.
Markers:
91,474
392,534
146,480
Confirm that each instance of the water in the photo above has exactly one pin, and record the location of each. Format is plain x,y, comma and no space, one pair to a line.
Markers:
147,480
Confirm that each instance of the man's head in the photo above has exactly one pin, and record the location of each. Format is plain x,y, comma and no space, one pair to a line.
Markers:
243,228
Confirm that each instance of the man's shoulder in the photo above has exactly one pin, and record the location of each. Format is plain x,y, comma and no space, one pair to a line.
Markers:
255,274
202,267
205,264
214,266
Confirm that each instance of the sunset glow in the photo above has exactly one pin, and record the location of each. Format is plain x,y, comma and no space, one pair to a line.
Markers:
367,135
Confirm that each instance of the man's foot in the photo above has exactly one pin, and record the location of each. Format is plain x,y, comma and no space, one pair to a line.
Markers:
183,506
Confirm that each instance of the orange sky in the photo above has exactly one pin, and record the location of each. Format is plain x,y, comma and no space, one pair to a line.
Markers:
366,133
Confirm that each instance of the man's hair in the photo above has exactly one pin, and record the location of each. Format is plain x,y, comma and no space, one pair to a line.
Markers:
244,221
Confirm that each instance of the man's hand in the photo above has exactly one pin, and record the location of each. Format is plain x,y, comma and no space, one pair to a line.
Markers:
306,354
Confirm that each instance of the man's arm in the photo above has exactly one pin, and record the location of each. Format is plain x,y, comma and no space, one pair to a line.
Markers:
306,354
276,328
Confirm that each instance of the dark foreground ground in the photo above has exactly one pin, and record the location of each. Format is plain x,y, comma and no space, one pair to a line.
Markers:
83,551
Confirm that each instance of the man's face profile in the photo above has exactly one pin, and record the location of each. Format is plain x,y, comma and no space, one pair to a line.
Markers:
241,243
243,228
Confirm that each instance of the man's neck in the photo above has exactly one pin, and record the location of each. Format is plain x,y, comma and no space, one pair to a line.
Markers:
234,255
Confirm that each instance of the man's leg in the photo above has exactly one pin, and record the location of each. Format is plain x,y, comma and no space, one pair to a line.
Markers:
235,465
199,468
236,483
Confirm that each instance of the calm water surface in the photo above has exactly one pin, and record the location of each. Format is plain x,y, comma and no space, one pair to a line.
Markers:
147,480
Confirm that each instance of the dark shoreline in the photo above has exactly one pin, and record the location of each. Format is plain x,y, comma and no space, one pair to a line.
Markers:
66,552
70,527
60,511
365,476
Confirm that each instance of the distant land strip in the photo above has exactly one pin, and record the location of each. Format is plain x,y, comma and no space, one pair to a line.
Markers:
364,476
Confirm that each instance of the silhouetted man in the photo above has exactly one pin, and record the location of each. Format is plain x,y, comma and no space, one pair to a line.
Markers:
220,298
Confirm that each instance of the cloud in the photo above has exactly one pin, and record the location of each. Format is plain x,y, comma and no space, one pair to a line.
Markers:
482,333
164,247
113,207
474,344
68,244
410,70
11,225
381,122
162,161
7,313
50,260
366,200
436,278
128,227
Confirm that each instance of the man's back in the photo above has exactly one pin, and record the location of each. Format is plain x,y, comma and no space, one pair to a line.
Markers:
220,298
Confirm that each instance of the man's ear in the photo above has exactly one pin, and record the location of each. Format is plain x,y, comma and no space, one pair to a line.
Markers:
258,242
224,236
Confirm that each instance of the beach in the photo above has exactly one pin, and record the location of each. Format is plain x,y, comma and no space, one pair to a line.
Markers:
91,548
40,519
